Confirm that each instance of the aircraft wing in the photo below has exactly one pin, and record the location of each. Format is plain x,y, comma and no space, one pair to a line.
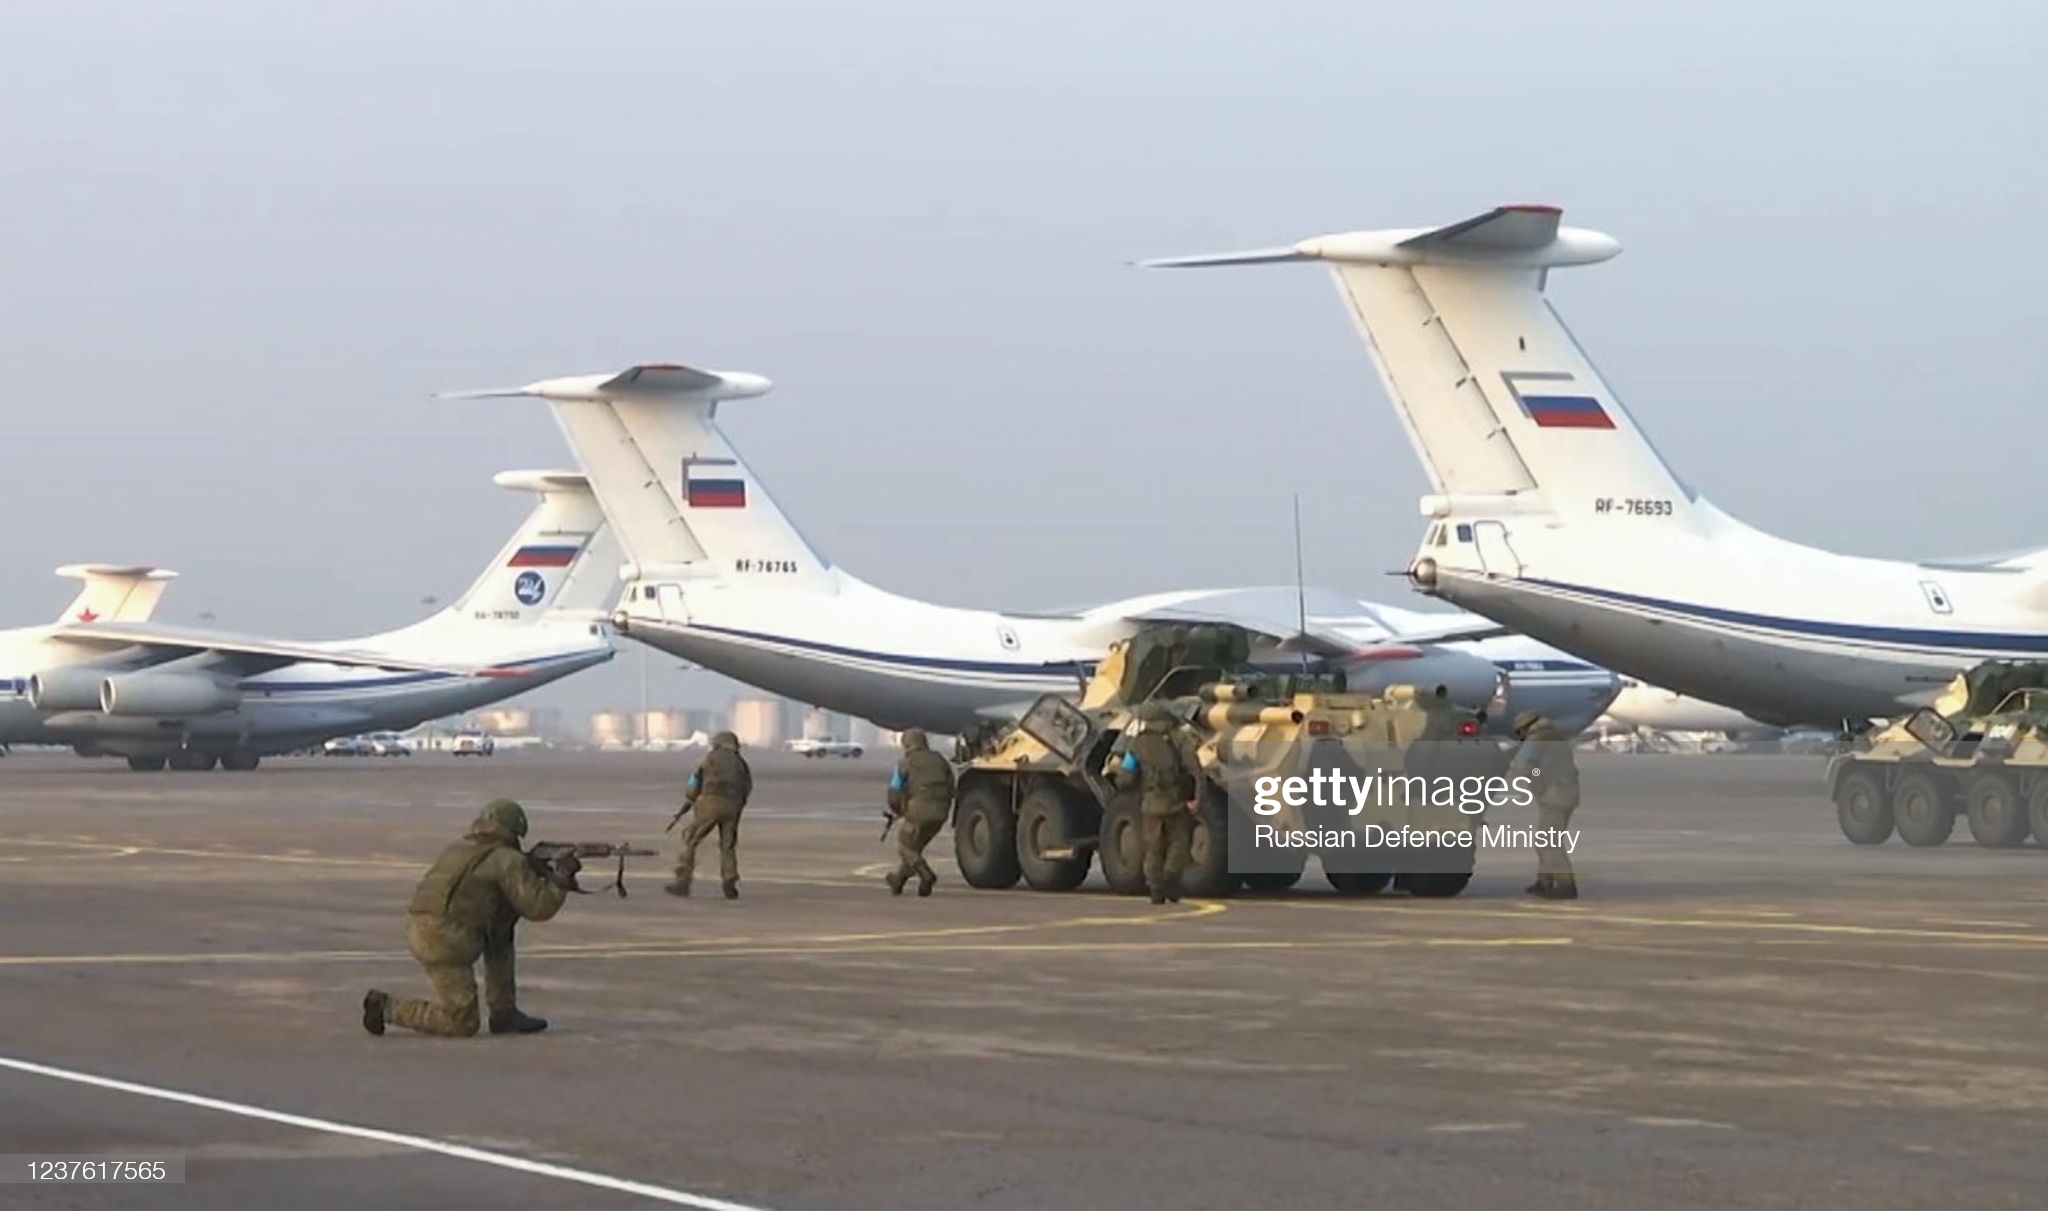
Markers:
252,654
1334,623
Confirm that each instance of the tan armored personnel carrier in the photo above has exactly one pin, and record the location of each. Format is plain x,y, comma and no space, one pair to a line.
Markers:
1981,751
1037,799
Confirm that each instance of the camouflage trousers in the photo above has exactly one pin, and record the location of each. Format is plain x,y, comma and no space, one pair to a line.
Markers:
1166,840
1553,861
453,1012
912,835
705,820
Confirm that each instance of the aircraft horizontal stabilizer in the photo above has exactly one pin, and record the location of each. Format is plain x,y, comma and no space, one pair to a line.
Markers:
122,571
1519,227
1521,236
1467,632
182,641
648,381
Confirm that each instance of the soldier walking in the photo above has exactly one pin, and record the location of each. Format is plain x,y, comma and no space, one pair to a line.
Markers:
1165,780
921,795
717,792
1546,759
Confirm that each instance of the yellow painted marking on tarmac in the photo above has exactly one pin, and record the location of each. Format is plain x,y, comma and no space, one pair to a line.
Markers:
1813,960
1979,923
122,852
1748,912
909,946
1593,915
307,858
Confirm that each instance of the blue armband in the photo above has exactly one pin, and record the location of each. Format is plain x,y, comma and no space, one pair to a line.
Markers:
697,781
896,780
1131,762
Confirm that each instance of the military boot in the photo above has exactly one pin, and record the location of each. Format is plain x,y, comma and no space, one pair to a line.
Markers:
680,887
732,889
1562,887
1541,887
511,1021
895,882
376,1007
926,881
1159,895
1173,891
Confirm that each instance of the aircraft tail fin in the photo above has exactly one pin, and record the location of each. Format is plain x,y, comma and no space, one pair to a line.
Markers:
670,481
115,592
1498,397
562,562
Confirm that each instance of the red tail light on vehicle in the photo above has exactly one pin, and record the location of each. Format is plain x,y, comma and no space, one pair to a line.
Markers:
1468,728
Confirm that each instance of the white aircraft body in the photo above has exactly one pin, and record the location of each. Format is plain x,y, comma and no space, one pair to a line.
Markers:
108,681
720,576
1555,516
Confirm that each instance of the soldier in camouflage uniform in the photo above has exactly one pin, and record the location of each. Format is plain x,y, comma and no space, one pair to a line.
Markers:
1546,758
464,909
1158,767
921,793
717,793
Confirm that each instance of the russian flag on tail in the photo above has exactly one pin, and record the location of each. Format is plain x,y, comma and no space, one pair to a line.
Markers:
1558,407
1567,412
711,483
545,555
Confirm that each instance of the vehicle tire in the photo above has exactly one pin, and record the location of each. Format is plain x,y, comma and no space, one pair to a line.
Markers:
1997,814
1354,884
2037,812
1862,808
1120,846
187,761
1051,816
240,761
1208,876
1270,882
1923,809
985,836
1437,885
145,764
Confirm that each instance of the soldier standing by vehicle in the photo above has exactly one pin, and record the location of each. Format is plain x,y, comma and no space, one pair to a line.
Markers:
1546,759
718,792
464,909
1164,777
921,793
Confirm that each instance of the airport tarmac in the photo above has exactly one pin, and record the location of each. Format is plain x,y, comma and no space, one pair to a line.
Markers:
1744,1010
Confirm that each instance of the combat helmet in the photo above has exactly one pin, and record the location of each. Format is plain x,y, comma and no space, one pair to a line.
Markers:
726,740
503,815
915,739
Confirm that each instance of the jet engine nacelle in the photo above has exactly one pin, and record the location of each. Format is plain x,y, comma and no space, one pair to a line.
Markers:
166,694
61,689
1472,682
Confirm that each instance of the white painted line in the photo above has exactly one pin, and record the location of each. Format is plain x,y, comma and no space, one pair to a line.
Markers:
420,1143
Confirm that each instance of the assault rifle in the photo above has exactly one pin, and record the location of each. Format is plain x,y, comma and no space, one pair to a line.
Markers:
546,857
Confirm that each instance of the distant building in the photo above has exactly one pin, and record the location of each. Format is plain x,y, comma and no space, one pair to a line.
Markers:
611,729
758,722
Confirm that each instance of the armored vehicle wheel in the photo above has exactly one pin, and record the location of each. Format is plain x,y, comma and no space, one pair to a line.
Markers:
1051,818
1997,814
1440,885
985,836
1208,871
1357,884
1923,809
1270,881
2037,812
145,763
1122,847
240,761
1862,809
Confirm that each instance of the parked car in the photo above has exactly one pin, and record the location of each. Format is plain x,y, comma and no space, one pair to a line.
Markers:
825,748
346,746
388,744
473,744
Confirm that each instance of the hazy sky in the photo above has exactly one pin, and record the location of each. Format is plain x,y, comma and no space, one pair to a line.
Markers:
242,245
